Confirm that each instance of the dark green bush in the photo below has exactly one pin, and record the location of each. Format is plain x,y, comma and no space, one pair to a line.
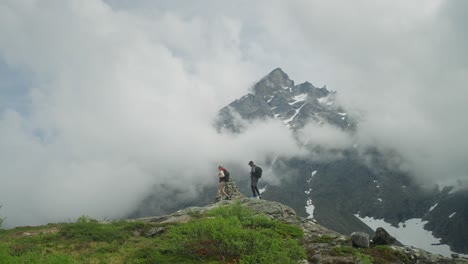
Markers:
92,231
342,251
386,254
34,257
233,234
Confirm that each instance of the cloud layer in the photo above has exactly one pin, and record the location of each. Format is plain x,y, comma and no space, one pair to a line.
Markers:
120,97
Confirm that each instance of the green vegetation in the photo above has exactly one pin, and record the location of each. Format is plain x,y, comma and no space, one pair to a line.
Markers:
1,219
231,234
363,259
343,251
386,254
235,234
378,254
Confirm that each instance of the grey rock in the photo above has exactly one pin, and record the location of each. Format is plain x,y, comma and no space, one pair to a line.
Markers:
155,231
360,239
382,237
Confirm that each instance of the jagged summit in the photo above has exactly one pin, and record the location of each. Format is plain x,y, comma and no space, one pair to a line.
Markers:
276,96
274,82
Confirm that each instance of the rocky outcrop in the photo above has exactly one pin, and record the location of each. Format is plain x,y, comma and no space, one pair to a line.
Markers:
321,244
360,239
231,190
382,237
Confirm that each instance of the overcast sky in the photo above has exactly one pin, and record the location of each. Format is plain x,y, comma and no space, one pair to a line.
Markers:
102,100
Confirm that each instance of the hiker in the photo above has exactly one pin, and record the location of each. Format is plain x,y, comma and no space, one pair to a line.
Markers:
222,182
255,174
226,173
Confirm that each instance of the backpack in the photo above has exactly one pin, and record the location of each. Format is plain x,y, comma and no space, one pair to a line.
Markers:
226,175
258,172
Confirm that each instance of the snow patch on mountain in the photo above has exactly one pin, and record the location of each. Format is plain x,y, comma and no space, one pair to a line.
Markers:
298,98
411,232
310,208
312,175
432,207
450,216
292,117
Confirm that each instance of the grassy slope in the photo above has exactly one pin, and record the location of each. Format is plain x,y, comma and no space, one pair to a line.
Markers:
230,234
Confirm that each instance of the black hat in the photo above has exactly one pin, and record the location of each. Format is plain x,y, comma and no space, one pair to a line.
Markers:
251,163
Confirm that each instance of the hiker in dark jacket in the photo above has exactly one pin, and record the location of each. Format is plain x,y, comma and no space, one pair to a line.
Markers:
255,174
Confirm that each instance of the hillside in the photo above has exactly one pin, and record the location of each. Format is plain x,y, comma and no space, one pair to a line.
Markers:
241,230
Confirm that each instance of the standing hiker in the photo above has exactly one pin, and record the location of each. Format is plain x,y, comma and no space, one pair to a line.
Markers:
255,174
222,182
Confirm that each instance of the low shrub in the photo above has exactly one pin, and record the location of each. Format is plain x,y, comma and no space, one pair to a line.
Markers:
323,239
386,254
34,257
342,251
94,232
363,259
231,234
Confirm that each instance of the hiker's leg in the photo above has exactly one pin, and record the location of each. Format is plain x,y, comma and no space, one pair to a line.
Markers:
253,185
253,190
256,189
223,188
219,189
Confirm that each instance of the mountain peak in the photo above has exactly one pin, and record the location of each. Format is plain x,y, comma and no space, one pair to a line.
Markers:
277,76
273,82
277,71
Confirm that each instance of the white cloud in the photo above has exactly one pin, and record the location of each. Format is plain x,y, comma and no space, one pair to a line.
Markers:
121,97
326,136
116,110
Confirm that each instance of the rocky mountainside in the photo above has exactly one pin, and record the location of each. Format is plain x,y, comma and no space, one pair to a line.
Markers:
320,244
337,190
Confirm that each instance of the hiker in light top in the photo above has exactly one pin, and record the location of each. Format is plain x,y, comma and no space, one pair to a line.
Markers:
222,186
255,174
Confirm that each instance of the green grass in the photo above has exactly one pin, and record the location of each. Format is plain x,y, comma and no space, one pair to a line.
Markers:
231,234
364,259
343,251
385,254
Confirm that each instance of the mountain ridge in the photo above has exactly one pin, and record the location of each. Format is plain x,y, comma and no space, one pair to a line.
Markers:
376,190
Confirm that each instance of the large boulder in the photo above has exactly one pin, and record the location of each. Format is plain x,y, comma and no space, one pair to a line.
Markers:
360,239
382,237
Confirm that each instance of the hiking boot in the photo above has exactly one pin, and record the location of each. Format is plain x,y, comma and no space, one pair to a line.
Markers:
259,197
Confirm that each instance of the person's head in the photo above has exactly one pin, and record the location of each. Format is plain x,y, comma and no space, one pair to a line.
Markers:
220,167
251,163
